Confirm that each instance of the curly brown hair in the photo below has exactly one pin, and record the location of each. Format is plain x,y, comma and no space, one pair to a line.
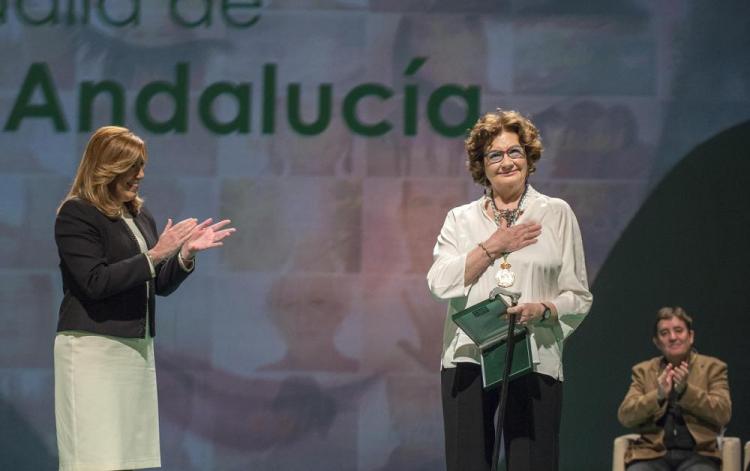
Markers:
491,125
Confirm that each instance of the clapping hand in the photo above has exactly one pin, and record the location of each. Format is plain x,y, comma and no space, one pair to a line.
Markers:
171,239
205,236
664,382
679,377
672,377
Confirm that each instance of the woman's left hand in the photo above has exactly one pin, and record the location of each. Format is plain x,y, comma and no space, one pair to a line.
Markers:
205,236
527,313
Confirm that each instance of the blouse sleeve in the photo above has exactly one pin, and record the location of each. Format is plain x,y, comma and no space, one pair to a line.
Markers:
574,299
446,276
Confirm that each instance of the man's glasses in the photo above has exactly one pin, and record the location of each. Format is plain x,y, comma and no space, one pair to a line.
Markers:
515,152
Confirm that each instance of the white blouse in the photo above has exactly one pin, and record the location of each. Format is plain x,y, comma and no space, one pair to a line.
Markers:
553,269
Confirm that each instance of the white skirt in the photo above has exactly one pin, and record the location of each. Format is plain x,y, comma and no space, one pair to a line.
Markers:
106,408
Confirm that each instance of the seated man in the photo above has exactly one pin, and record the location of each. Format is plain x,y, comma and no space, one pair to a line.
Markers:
679,402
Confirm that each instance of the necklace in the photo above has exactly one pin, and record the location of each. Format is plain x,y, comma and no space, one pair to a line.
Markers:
510,215
505,277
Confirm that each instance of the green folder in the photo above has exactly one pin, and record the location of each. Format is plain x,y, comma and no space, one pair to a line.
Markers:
485,325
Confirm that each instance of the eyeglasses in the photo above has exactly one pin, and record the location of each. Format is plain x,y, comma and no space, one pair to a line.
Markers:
515,152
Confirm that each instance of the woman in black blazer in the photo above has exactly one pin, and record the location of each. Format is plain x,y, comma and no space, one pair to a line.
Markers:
113,263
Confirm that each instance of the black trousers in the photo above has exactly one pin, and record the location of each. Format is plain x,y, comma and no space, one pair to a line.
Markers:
532,421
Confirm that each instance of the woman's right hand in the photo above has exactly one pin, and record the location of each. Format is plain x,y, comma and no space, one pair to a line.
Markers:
506,240
171,239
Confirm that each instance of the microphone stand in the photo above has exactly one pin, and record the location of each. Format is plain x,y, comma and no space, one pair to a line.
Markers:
506,373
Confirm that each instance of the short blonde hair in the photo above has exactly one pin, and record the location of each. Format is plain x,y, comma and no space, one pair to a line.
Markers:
491,125
111,152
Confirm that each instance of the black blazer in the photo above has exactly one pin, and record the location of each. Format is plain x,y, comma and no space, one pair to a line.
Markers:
105,275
